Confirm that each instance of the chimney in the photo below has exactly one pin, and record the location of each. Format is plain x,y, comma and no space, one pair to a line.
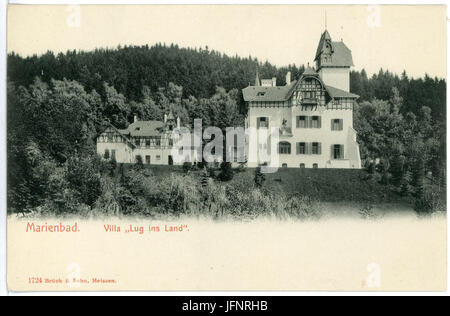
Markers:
178,122
135,119
274,82
165,118
288,78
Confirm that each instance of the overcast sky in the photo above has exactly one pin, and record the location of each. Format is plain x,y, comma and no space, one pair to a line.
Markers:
392,37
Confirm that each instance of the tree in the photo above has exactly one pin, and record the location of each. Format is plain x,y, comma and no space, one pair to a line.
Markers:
418,177
396,169
83,176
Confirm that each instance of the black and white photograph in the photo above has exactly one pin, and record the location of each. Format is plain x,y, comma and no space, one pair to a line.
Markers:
225,147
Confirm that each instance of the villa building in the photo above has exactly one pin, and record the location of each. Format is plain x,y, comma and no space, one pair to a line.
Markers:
150,141
314,114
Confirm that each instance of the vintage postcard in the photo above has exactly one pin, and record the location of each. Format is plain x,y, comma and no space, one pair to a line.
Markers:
226,148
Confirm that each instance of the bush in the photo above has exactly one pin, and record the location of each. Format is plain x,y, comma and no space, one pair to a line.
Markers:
226,172
176,194
259,177
303,207
187,166
429,202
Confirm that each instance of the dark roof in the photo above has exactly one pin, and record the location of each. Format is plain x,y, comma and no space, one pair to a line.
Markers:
279,93
119,131
341,55
325,36
338,93
144,128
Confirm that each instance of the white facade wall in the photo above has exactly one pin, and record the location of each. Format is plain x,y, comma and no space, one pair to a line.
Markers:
159,155
123,151
336,77
323,135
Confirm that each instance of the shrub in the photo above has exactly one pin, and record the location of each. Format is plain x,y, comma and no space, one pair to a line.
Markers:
367,212
259,177
303,207
187,166
429,202
226,172
176,194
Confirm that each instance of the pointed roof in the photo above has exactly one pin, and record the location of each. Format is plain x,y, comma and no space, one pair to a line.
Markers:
325,37
341,55
170,116
309,71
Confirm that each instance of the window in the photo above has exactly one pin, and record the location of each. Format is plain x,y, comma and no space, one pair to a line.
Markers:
158,141
302,166
170,142
284,165
113,154
336,124
301,148
337,151
315,166
158,157
147,159
260,94
147,142
316,149
137,141
138,158
262,122
315,122
284,148
106,155
301,122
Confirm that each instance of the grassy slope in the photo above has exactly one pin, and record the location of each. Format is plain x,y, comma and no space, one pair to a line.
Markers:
331,185
328,184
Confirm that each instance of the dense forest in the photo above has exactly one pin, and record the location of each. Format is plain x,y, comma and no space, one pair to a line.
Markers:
57,105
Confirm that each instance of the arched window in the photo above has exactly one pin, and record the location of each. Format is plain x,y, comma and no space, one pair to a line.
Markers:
106,155
315,166
284,165
284,148
302,165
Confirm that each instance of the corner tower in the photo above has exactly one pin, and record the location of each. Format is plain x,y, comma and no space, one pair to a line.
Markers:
333,61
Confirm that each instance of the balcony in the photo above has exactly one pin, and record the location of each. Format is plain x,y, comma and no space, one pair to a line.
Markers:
310,101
